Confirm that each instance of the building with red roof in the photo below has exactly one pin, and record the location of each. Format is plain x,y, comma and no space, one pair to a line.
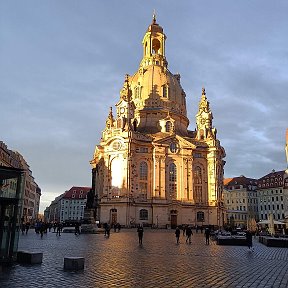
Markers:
69,206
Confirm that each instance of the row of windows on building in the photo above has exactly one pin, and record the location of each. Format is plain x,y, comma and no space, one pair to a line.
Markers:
267,180
238,216
74,212
268,199
242,201
275,217
264,199
74,201
273,207
267,192
72,207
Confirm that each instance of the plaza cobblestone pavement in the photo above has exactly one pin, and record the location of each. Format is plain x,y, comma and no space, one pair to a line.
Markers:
119,261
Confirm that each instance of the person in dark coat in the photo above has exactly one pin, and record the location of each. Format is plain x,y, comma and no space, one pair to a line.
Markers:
140,232
177,233
249,240
188,234
77,228
108,228
184,230
207,235
59,229
27,226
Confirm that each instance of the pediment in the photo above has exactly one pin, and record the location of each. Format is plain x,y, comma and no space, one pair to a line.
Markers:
123,103
183,143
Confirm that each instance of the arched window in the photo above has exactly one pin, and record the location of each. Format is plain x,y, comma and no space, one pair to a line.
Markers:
172,172
168,126
198,190
198,175
143,171
165,91
155,46
172,178
143,214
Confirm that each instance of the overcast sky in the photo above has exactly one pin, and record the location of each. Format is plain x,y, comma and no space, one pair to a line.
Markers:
62,65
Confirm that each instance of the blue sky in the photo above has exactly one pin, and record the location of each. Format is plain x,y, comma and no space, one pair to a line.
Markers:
62,65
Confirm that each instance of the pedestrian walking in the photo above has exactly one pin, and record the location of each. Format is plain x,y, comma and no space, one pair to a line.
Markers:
59,229
23,227
107,230
207,235
77,228
140,232
184,230
177,233
249,240
41,229
27,226
188,234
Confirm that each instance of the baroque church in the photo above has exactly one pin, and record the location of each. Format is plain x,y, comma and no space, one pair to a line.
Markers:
149,168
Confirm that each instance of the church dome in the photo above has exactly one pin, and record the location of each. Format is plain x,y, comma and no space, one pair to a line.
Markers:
155,90
155,87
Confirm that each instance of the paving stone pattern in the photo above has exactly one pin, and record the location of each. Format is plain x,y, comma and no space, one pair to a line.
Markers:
120,262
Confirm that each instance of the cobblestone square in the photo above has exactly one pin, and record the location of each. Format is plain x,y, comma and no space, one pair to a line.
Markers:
119,261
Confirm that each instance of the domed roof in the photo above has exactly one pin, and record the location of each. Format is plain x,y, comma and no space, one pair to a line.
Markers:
155,87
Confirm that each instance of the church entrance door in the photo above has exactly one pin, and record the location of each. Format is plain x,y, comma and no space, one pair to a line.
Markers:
173,221
113,216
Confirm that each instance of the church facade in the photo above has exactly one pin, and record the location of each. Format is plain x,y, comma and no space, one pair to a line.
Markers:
148,167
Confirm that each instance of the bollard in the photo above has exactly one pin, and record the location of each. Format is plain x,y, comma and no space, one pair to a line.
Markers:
74,263
27,257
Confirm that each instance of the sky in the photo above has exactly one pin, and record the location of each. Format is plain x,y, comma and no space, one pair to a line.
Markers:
63,63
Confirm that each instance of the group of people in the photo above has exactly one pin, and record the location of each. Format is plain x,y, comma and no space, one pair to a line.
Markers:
25,227
188,231
43,227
